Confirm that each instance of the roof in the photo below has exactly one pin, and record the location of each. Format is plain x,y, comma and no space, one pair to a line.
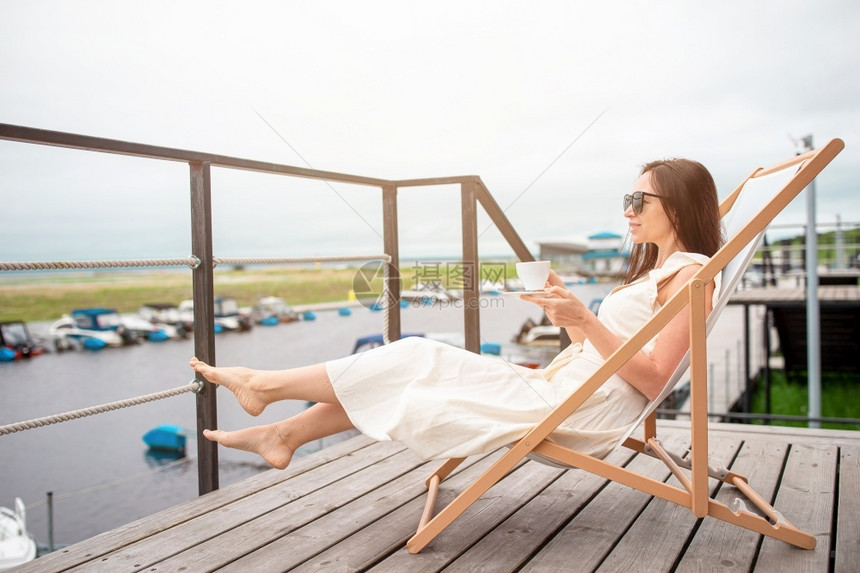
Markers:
606,235
93,311
563,247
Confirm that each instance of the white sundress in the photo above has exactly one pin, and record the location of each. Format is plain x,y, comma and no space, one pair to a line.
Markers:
441,401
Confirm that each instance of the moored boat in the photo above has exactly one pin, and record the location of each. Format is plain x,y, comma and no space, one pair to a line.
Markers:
163,314
17,546
91,328
272,310
229,316
167,438
16,342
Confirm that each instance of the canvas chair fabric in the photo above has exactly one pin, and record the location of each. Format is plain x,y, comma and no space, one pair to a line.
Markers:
746,213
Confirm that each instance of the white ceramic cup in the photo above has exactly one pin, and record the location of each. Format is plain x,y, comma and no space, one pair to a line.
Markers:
533,274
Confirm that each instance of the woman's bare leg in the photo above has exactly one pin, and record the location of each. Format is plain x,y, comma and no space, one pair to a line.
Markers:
276,443
256,389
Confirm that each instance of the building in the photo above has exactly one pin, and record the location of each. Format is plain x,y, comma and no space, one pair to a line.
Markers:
605,255
566,256
601,255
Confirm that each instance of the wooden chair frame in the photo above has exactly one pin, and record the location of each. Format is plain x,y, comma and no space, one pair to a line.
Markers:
694,492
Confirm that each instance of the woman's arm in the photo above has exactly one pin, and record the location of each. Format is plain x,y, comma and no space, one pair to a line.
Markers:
646,373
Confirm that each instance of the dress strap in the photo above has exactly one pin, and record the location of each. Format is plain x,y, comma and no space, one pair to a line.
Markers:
562,359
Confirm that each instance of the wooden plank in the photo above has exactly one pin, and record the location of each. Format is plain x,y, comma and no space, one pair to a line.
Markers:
727,546
471,284
90,143
592,533
660,533
151,525
847,558
204,321
500,534
494,507
384,536
805,497
194,532
508,546
806,436
391,241
324,533
280,522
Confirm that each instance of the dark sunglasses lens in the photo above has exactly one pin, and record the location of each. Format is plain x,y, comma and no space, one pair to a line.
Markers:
635,200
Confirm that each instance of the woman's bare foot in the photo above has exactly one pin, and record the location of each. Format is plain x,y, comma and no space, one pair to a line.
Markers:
265,441
239,380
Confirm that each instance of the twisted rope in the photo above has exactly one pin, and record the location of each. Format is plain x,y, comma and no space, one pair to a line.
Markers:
48,265
192,262
292,260
386,304
194,386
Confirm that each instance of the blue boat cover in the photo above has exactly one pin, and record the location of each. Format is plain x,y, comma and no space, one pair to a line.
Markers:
166,437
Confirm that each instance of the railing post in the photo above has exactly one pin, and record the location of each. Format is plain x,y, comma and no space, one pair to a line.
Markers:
392,248
471,272
204,320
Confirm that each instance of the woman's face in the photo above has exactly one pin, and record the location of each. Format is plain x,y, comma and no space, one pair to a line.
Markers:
652,224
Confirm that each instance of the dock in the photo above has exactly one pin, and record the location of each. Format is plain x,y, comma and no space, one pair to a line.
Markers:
760,322
839,323
352,506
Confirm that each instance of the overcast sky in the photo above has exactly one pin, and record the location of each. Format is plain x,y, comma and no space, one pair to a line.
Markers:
554,104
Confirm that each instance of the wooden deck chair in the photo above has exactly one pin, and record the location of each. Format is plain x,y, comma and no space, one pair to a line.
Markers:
746,214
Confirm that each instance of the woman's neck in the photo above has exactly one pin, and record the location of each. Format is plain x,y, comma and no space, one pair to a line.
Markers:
666,251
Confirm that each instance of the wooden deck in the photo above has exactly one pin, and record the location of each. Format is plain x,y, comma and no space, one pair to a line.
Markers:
352,506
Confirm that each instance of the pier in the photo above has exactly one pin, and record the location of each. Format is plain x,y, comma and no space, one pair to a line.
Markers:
352,506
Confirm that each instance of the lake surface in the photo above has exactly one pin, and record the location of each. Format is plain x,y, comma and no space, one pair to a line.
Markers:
98,468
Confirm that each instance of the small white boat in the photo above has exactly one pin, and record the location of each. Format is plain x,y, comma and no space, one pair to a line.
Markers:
272,310
17,546
92,328
228,316
163,314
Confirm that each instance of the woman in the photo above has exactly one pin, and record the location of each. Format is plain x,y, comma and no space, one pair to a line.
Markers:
441,401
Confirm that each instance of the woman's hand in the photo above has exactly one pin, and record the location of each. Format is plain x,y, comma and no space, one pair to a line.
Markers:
562,308
554,280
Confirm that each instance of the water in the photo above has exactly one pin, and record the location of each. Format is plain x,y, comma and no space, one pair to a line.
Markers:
99,469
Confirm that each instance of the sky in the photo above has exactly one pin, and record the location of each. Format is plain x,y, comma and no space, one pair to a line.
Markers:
554,104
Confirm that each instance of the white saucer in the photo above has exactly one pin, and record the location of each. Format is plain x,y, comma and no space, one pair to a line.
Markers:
542,293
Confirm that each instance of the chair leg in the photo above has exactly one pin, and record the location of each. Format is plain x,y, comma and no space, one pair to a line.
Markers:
774,525
428,530
433,488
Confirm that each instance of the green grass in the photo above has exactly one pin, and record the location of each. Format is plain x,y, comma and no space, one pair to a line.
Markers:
48,298
840,398
41,297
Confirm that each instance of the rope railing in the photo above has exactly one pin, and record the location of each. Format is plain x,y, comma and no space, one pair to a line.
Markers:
194,386
114,263
191,262
298,260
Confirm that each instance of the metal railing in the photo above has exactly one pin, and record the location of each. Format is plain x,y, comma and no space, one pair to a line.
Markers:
472,191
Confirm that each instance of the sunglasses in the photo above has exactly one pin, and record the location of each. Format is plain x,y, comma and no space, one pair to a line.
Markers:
637,199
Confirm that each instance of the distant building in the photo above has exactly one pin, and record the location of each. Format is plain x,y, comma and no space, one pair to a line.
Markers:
604,255
601,255
565,255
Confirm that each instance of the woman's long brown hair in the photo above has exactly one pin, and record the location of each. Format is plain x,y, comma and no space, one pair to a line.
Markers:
689,197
